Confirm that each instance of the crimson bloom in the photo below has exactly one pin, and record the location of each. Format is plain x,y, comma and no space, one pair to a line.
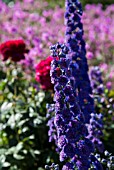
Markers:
43,73
14,49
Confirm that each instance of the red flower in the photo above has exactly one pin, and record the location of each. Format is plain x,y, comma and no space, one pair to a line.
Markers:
14,49
43,73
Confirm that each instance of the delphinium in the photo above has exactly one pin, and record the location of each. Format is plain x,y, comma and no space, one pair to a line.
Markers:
95,128
101,92
78,64
73,94
104,104
52,167
96,80
69,120
52,129
108,161
79,69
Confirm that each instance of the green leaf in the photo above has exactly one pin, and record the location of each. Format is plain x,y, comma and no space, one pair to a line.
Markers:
1,98
25,151
18,116
11,122
32,153
25,129
37,121
31,137
6,106
3,151
19,146
6,164
18,157
112,126
41,96
2,85
14,168
111,94
22,122
11,151
2,158
31,110
33,114
37,152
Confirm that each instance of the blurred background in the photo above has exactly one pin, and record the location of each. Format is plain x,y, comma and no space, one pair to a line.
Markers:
24,140
84,2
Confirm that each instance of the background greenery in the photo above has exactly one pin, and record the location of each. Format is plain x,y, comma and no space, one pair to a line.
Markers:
23,132
52,3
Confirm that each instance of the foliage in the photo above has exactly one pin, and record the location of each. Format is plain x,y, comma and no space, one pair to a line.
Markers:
104,3
23,132
7,1
53,3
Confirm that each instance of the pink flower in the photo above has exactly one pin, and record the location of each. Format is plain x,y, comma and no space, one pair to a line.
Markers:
104,66
89,55
109,85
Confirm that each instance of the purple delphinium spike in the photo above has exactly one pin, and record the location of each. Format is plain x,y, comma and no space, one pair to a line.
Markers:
95,125
73,94
52,130
96,81
95,128
77,54
95,163
69,119
79,68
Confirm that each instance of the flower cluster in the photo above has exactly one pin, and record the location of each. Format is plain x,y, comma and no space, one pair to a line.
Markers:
52,167
95,128
69,119
43,73
52,130
78,63
96,80
95,163
108,161
13,49
73,94
101,19
79,70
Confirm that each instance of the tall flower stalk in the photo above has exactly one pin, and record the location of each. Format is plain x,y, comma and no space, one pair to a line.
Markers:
72,142
75,42
73,95
79,69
